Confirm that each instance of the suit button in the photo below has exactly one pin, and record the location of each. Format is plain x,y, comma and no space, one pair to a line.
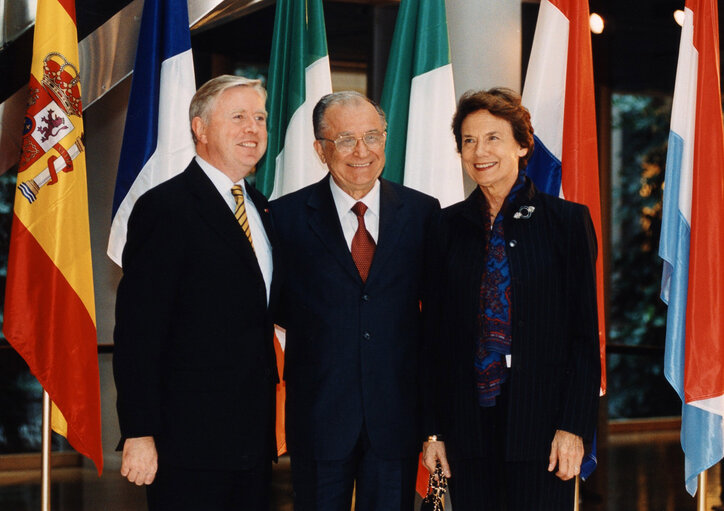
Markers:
365,298
366,336
512,243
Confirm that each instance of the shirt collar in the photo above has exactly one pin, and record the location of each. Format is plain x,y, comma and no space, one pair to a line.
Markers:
221,181
344,202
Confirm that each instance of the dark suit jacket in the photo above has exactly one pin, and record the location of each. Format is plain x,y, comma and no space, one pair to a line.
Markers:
194,358
555,374
352,348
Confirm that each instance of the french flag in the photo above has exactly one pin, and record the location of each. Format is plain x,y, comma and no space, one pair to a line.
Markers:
157,141
692,242
559,93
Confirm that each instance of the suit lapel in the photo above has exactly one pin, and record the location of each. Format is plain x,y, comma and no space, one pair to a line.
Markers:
392,221
212,209
324,222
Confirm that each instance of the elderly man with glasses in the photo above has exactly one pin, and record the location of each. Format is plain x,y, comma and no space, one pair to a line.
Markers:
352,252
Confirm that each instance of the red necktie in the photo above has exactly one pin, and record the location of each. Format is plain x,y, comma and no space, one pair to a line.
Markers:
363,246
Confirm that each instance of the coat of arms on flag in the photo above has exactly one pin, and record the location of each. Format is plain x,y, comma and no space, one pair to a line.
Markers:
52,104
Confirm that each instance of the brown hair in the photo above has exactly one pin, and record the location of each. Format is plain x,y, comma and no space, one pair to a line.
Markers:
500,102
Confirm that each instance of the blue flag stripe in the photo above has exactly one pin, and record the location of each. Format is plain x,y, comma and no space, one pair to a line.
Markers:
544,169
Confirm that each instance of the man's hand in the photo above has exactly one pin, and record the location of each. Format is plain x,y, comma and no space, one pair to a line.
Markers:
432,452
140,460
567,453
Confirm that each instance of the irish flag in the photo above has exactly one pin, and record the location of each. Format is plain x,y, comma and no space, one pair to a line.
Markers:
692,242
49,302
298,77
419,100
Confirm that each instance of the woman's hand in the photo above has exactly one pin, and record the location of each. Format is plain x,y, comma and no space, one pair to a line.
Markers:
567,453
432,452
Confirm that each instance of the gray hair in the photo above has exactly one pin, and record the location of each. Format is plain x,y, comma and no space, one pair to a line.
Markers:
205,97
344,97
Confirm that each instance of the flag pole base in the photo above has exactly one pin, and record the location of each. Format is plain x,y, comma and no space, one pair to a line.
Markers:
45,459
701,492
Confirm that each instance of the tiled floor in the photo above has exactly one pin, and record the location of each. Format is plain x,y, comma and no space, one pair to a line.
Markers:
644,473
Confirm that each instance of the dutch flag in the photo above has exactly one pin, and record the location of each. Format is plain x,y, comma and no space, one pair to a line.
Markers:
559,92
692,242
157,141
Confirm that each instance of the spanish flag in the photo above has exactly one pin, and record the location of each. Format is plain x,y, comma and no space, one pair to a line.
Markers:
49,304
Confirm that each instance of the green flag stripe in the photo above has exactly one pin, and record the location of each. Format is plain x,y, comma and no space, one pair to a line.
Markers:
299,40
431,45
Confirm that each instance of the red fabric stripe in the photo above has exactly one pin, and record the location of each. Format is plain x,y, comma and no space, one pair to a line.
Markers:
423,477
48,325
580,145
69,6
704,352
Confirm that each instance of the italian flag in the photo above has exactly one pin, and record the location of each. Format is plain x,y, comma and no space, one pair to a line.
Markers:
419,100
298,77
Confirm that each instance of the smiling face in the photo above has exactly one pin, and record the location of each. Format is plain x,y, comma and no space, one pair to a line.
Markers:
354,172
490,152
233,137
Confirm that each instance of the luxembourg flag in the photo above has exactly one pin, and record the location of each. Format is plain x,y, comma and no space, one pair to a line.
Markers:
157,142
692,242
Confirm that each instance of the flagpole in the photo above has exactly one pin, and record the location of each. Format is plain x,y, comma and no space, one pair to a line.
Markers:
45,464
576,494
701,492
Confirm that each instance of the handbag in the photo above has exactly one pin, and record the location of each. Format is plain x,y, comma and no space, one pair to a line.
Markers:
436,487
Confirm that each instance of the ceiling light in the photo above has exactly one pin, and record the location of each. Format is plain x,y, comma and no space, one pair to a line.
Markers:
596,23
679,17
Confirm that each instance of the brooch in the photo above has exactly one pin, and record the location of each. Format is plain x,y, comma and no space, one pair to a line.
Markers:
525,212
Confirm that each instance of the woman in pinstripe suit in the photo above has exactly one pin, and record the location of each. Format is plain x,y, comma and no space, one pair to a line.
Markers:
512,357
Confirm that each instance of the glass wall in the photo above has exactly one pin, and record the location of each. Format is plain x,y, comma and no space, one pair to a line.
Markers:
636,384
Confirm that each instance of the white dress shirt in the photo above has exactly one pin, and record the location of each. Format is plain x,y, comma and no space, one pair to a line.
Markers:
262,247
348,219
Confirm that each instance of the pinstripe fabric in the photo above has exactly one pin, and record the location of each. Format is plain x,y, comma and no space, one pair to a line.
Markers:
489,483
555,370
238,192
519,486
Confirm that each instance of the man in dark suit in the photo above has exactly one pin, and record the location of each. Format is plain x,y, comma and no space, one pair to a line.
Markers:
194,360
352,251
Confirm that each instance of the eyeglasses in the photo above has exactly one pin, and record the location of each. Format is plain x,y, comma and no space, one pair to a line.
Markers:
345,144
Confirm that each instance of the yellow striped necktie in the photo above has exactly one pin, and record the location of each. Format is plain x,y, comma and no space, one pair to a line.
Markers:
238,192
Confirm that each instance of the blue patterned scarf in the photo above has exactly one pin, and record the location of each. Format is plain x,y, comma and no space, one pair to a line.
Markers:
494,312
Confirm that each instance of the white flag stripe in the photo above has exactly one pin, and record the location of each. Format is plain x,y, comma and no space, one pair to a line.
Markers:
545,82
683,110
290,174
174,149
432,164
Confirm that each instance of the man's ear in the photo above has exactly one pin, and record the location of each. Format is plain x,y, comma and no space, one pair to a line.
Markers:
198,126
320,151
